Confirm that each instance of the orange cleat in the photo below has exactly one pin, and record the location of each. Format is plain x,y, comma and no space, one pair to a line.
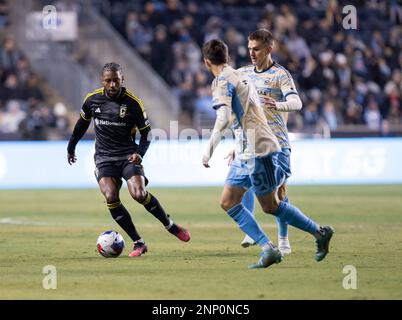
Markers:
180,233
139,249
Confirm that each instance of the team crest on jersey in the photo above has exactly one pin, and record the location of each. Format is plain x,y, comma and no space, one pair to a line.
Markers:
123,110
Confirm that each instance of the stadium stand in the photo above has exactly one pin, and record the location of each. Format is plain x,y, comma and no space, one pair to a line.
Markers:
25,111
349,80
66,65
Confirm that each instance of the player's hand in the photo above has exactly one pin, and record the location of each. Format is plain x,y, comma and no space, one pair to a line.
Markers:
230,157
205,161
135,158
270,103
71,158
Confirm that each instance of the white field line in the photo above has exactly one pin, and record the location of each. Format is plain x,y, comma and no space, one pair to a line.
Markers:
22,222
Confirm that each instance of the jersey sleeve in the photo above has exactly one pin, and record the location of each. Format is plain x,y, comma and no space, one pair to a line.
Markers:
222,122
142,121
85,112
287,84
221,93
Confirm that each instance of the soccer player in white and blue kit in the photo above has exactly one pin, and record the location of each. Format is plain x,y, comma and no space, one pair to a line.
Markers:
278,96
236,101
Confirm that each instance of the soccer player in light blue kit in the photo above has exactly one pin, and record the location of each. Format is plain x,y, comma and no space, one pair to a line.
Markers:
236,101
278,96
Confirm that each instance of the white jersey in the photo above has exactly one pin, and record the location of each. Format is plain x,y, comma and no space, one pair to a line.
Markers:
277,83
254,138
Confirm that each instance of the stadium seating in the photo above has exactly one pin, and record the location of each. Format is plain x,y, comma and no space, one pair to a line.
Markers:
350,81
347,78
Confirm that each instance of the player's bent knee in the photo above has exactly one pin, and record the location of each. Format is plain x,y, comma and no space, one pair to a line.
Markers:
139,195
227,204
111,196
224,206
267,209
282,192
271,206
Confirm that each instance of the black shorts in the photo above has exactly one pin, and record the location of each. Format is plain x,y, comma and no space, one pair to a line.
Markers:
119,169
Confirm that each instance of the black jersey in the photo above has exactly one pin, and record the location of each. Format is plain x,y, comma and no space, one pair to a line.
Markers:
115,121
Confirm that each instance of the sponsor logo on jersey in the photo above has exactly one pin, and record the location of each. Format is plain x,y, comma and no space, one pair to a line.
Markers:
109,123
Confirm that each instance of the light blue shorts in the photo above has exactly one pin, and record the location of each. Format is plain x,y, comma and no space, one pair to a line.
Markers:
263,174
239,175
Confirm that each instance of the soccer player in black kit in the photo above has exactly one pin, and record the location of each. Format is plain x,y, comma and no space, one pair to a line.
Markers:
117,114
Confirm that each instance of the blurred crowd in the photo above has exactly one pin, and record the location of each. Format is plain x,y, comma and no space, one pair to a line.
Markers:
344,76
24,112
3,14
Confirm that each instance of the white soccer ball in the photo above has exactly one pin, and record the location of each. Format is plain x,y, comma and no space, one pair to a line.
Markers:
110,244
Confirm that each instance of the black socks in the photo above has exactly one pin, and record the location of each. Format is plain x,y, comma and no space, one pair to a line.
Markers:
153,206
123,218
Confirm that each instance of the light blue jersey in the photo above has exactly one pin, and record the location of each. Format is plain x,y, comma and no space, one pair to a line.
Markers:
237,103
254,137
277,83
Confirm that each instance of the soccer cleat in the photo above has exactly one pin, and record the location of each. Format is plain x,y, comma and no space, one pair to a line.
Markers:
323,242
180,232
284,246
267,257
139,249
247,242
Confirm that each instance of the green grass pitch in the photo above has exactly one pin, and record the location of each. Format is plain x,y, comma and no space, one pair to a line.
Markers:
60,228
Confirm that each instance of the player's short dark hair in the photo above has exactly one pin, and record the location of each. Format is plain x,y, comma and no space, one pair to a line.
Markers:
112,66
263,35
216,51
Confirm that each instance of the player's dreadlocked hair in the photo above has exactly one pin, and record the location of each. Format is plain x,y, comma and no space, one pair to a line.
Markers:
112,66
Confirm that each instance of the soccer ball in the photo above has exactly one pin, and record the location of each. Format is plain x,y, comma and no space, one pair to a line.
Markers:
110,244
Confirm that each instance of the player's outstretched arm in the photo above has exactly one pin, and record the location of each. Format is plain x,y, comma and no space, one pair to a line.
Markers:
79,130
222,122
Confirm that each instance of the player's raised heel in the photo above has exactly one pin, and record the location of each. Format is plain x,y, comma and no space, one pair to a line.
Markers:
139,249
267,258
323,242
247,242
180,233
284,246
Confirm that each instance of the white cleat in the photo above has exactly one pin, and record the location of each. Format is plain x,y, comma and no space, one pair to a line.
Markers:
284,246
247,242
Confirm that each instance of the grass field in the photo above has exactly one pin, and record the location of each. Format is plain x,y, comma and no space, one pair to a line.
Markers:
60,228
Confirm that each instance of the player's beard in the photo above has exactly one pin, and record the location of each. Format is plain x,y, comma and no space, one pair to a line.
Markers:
113,94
